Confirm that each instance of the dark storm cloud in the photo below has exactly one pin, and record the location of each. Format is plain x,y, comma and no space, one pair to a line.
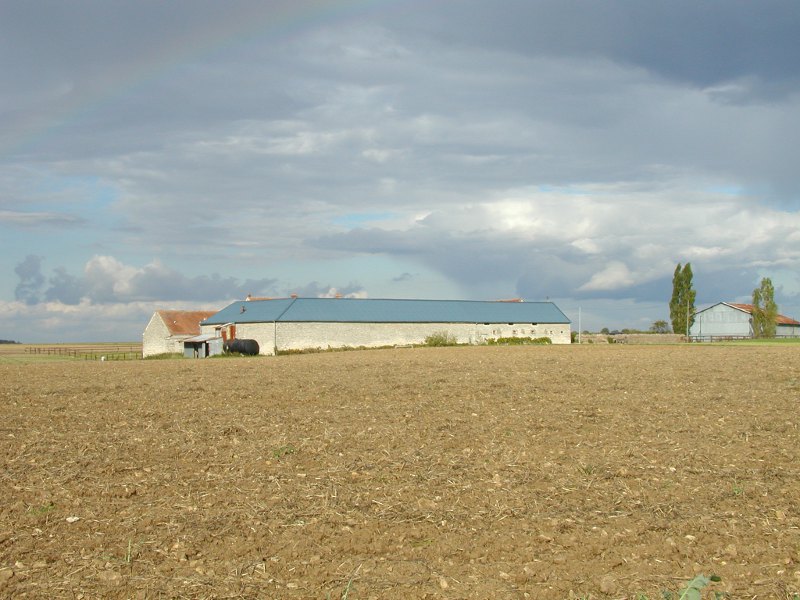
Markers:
160,283
732,284
64,287
95,79
703,43
85,37
31,279
475,258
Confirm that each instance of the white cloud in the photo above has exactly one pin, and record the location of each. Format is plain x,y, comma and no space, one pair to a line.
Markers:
36,219
333,292
84,322
615,276
633,238
586,246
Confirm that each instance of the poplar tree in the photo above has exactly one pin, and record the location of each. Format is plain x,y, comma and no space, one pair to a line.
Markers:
681,305
765,311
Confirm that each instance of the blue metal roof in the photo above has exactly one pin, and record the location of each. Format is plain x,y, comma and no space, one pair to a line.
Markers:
252,311
374,310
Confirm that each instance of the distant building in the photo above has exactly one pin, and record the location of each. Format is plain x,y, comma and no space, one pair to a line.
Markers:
168,329
726,319
309,323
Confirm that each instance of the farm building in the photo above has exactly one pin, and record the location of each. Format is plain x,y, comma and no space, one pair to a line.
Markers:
308,323
202,346
168,329
726,319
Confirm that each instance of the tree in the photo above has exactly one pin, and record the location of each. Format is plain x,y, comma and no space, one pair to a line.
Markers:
659,326
681,305
765,311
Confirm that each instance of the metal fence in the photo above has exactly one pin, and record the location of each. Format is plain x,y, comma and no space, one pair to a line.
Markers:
91,352
729,338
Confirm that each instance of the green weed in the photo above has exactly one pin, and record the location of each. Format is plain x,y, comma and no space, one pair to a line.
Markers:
441,338
694,589
346,590
42,509
279,453
519,341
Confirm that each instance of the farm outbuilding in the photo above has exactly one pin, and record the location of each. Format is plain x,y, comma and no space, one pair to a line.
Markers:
730,320
320,323
168,329
202,346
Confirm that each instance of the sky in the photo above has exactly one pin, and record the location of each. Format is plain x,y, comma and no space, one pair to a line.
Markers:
182,155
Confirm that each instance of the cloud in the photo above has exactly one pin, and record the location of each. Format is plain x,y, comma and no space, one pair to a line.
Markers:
64,288
53,321
597,241
111,300
403,277
106,280
31,279
545,149
315,290
34,219
615,276
681,40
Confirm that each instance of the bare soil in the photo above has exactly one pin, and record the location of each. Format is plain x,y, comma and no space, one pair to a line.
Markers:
493,472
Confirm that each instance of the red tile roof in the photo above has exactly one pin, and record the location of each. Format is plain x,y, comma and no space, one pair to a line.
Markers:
184,322
748,308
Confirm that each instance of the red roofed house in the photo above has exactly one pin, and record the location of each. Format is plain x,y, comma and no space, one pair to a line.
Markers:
726,319
167,330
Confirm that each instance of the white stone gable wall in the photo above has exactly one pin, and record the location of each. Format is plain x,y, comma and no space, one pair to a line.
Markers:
156,338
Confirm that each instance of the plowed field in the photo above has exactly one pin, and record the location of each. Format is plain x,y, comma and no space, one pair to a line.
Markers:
492,472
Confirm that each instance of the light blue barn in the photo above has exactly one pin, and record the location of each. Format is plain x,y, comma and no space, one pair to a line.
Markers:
729,320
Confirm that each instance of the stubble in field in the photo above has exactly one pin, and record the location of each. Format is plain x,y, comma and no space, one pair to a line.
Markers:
528,472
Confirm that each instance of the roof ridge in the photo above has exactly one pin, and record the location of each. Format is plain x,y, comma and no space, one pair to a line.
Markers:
499,301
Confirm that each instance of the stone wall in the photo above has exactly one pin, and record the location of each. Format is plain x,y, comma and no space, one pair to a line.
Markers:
632,338
156,338
308,336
